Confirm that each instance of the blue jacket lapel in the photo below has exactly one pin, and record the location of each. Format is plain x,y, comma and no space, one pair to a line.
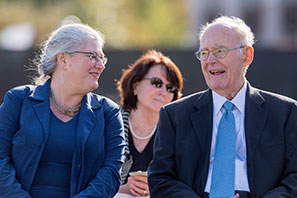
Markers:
39,102
41,106
86,122
87,119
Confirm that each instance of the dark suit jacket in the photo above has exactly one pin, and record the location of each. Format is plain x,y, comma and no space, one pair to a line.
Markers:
24,128
183,141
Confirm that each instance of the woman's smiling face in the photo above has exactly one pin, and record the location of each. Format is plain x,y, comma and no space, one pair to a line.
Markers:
83,70
152,97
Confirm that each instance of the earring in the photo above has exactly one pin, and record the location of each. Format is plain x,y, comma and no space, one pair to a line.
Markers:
62,66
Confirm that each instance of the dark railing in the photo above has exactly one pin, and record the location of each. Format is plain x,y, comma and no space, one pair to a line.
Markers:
270,70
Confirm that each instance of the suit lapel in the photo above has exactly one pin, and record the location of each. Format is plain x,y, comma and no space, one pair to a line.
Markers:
202,121
42,111
86,121
41,107
39,101
255,119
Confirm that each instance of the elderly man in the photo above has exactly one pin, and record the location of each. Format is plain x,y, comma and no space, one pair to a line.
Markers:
232,140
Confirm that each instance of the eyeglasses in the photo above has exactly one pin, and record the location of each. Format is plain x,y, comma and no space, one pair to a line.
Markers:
219,53
94,57
158,83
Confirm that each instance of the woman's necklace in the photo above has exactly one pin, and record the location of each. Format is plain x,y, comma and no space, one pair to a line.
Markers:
141,137
67,111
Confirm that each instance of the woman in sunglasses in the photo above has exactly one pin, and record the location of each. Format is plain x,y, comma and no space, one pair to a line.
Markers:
57,139
151,82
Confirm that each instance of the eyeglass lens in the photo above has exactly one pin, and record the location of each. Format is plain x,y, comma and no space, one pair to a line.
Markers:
158,83
94,57
218,53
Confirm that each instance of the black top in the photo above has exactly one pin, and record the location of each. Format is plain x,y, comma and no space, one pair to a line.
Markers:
141,160
134,160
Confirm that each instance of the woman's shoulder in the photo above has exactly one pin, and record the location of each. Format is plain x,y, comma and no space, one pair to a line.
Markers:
21,91
23,88
96,99
126,113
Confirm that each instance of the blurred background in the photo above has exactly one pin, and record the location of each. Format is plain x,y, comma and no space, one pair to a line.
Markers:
133,26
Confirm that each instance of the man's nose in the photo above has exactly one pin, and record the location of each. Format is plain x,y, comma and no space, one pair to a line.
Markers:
211,58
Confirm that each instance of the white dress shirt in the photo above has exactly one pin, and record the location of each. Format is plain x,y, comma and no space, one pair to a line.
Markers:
241,179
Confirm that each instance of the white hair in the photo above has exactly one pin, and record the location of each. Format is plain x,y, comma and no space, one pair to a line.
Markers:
67,38
245,33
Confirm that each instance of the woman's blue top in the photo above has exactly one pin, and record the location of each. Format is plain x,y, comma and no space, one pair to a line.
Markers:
53,175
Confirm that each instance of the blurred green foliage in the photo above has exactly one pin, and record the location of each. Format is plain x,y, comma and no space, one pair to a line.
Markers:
127,24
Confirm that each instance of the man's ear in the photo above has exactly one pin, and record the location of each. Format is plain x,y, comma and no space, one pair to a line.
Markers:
248,53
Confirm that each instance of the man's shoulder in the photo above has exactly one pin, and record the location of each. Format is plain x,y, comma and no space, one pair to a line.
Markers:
272,97
185,102
271,102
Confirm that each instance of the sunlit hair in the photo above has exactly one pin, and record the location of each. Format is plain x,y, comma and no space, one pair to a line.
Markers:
136,72
67,38
246,35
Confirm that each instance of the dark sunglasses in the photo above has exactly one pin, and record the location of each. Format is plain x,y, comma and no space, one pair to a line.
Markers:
158,83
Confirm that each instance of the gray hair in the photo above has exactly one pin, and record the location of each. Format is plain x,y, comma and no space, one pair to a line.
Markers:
67,38
246,35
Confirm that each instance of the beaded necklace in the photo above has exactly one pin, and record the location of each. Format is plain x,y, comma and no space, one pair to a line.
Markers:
141,137
67,111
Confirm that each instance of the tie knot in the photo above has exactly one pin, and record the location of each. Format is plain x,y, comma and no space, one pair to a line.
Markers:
228,105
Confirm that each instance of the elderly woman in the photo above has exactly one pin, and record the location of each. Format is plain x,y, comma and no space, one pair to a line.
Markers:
57,139
151,82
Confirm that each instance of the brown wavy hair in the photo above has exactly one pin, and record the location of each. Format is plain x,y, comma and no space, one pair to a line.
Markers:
136,72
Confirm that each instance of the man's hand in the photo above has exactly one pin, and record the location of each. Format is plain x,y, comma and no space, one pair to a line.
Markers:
236,196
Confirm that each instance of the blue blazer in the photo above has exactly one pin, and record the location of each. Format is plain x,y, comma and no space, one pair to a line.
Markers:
183,141
24,128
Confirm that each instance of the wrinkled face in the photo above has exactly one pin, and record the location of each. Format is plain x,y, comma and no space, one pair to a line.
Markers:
82,70
225,76
149,96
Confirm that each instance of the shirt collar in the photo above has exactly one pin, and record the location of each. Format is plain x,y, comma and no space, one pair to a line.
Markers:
238,100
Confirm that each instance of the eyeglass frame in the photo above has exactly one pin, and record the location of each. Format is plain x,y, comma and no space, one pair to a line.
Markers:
198,56
93,56
174,88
